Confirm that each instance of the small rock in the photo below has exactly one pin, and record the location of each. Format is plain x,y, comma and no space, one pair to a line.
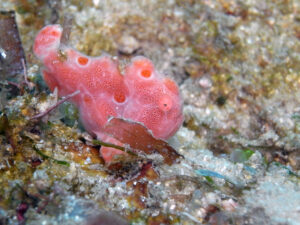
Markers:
128,45
294,160
229,205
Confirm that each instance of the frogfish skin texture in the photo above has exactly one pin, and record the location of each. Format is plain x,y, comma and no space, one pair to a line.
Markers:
141,94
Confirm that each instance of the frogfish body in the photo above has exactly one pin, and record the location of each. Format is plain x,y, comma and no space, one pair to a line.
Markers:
141,94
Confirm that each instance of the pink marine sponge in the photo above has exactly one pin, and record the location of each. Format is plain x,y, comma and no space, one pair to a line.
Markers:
141,94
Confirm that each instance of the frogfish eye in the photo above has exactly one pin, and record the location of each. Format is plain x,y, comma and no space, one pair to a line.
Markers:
165,103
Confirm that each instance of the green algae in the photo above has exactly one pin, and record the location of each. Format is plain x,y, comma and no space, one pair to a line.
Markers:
44,156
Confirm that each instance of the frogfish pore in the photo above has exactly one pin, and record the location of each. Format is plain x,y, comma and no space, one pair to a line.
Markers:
141,94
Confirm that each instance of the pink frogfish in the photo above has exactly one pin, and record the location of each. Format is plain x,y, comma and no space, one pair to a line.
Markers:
141,94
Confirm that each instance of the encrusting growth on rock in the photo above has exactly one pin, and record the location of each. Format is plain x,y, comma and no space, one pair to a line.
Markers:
141,94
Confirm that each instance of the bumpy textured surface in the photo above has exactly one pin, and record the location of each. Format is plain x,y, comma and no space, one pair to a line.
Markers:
141,95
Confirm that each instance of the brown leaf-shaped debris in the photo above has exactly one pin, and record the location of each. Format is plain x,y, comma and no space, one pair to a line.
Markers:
11,49
139,138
